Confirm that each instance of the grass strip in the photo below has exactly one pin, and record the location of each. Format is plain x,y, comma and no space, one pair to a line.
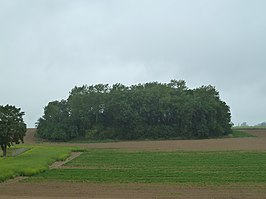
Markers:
35,160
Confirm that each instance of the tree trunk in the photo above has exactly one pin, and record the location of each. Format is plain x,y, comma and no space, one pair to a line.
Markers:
3,147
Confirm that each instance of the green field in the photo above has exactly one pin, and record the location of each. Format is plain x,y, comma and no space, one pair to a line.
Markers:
241,134
114,166
36,159
249,127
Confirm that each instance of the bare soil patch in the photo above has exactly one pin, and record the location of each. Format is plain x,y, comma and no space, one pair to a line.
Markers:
220,144
86,190
30,136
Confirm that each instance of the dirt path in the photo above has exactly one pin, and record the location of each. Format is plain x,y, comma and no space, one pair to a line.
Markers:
58,164
29,137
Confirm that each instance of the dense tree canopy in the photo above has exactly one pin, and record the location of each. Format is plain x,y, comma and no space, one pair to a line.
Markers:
12,127
151,110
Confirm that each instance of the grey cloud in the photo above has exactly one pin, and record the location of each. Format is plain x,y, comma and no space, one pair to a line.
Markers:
49,46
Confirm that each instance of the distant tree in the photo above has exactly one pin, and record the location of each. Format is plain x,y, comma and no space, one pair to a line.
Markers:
12,127
261,124
244,124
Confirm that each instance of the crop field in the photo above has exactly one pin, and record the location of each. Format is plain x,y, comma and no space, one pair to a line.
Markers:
206,168
143,169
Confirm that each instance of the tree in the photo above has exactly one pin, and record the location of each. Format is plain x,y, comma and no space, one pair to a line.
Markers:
55,124
262,124
12,127
87,106
244,124
144,111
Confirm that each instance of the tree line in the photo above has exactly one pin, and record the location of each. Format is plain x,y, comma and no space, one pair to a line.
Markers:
143,111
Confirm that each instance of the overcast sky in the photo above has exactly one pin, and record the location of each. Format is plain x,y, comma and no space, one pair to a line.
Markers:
49,46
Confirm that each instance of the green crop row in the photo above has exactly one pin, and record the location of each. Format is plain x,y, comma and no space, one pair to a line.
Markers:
37,159
241,134
162,167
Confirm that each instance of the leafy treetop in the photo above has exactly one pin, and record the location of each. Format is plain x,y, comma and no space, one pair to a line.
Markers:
12,126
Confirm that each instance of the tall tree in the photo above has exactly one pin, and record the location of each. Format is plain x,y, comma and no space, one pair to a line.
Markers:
55,124
12,127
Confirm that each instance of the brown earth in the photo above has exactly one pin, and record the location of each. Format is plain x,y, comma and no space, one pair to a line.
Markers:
87,190
220,144
30,138
51,190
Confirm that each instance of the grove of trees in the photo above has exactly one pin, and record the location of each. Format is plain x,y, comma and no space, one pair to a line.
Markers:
12,127
144,111
262,124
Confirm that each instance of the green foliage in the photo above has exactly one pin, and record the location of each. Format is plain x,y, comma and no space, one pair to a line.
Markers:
33,161
144,111
111,166
12,127
240,134
56,124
